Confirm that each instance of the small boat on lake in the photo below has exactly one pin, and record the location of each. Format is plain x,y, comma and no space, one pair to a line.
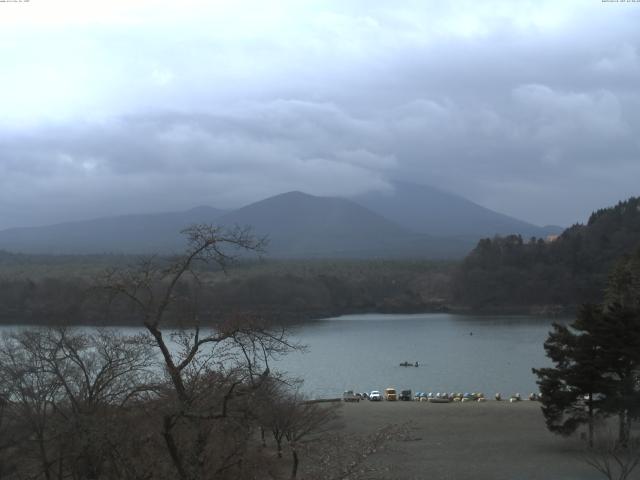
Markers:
408,364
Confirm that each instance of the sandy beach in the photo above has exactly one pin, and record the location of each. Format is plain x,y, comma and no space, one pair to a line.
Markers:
491,440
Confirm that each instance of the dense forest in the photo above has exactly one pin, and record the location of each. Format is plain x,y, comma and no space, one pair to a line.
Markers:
45,289
561,272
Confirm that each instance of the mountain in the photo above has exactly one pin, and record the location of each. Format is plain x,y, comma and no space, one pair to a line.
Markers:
302,225
432,211
297,225
142,233
411,221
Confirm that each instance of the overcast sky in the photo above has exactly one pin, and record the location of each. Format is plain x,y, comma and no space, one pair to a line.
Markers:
110,107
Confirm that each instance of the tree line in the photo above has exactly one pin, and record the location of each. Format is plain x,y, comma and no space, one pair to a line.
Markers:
567,271
285,291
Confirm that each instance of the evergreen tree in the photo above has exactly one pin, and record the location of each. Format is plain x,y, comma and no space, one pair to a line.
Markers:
573,390
597,360
623,287
620,341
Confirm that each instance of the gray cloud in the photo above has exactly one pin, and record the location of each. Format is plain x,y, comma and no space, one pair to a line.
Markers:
532,114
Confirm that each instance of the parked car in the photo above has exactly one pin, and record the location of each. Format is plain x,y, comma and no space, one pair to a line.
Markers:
349,396
375,396
390,394
405,395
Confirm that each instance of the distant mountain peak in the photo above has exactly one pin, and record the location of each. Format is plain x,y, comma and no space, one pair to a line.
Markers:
294,193
203,209
433,211
288,196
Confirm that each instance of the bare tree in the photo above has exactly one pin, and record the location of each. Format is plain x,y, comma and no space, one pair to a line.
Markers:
65,391
613,459
215,369
307,421
31,393
98,373
186,399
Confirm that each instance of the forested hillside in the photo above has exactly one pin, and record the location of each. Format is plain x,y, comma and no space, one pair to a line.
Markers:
36,290
510,271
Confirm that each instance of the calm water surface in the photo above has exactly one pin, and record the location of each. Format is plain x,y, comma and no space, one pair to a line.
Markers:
455,352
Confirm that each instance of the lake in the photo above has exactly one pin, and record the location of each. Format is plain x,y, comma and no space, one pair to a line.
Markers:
465,353
461,353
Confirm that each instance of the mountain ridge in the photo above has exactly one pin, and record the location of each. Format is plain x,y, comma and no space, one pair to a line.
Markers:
146,232
298,224
454,215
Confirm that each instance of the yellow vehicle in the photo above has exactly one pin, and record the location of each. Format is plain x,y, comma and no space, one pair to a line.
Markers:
390,394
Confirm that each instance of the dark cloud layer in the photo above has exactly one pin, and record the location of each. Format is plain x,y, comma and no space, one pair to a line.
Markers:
537,120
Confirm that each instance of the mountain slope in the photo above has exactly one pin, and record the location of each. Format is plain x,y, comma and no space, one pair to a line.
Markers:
301,225
297,225
428,210
143,233
415,221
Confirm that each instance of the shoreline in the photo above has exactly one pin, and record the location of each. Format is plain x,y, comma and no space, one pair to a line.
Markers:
533,311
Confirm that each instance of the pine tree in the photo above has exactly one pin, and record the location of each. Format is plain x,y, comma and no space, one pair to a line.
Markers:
573,390
597,360
620,341
618,338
